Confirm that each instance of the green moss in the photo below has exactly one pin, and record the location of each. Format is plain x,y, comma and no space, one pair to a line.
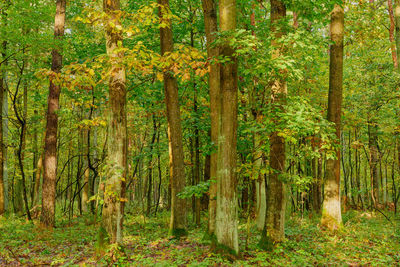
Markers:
177,233
225,251
102,241
210,237
329,222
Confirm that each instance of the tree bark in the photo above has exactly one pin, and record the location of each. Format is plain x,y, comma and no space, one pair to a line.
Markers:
331,213
226,217
114,195
3,191
50,146
391,35
178,222
211,28
276,192
3,148
373,161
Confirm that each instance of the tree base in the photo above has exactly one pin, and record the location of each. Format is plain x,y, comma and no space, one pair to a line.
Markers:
177,233
224,250
330,223
266,243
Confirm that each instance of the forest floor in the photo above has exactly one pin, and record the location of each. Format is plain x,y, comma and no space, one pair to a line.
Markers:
367,239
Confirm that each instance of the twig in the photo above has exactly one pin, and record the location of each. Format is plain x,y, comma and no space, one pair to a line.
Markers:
384,215
15,256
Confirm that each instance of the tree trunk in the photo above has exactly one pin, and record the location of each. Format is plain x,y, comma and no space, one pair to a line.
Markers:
373,161
391,34
276,193
176,158
211,28
50,146
226,216
114,195
397,26
3,191
331,213
38,172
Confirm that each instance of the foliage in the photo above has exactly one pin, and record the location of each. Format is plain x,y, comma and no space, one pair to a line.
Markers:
367,239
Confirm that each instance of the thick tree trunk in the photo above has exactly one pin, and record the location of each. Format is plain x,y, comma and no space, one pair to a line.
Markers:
276,193
176,158
211,28
226,216
114,195
50,146
331,213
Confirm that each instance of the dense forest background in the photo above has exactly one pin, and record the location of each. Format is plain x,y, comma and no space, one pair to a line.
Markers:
199,132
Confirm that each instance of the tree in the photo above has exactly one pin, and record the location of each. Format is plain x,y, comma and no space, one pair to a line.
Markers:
331,213
211,29
226,214
50,145
114,194
176,157
276,195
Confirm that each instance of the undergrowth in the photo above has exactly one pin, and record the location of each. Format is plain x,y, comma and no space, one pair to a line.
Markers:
367,239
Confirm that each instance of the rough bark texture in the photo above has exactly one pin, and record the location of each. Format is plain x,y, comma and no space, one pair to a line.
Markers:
50,146
276,193
114,195
176,159
226,217
211,28
331,213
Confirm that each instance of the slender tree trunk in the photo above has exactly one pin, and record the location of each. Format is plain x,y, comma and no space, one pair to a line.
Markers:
391,34
261,198
397,28
38,173
50,146
276,193
150,168
177,168
331,213
4,113
3,120
211,28
226,216
114,195
373,160
3,191
197,160
35,159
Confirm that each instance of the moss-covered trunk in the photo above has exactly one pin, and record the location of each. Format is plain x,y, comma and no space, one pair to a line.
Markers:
226,217
114,195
